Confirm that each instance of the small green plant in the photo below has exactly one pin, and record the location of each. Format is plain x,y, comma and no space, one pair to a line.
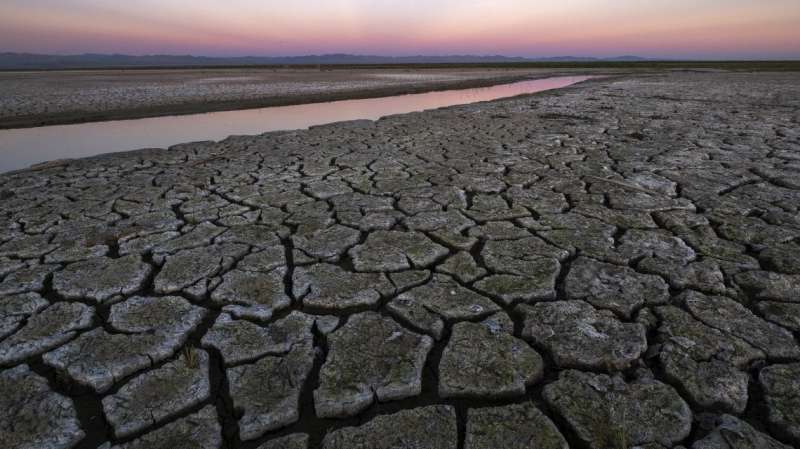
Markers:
190,357
622,438
616,436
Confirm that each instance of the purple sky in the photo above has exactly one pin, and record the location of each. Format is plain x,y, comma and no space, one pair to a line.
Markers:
714,29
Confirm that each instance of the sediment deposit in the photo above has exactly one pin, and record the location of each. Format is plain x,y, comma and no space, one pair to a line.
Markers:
59,97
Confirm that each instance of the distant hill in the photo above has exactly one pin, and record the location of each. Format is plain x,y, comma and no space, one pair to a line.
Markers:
9,61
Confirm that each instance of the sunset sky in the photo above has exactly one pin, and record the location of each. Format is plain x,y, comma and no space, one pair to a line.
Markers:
712,29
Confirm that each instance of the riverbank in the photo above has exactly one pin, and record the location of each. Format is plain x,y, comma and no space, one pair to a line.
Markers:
26,147
29,99
624,246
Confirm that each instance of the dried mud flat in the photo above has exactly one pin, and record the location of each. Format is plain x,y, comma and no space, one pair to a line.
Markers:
58,97
610,265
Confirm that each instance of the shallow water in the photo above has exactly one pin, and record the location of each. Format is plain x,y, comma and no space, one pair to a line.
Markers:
19,148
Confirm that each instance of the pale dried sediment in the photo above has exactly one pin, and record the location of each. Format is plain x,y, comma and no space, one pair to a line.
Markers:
628,247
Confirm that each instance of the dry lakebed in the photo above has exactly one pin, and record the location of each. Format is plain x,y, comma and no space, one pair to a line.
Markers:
615,264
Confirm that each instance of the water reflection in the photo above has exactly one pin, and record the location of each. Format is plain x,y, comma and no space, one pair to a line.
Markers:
20,148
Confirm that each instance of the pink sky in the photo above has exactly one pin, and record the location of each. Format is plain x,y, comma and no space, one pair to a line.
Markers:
715,29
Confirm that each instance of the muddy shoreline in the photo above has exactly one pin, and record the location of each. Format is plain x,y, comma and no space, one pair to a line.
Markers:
192,104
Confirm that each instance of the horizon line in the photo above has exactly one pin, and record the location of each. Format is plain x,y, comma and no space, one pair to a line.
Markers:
403,56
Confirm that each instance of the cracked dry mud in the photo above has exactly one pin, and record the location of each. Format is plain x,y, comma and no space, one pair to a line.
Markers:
611,265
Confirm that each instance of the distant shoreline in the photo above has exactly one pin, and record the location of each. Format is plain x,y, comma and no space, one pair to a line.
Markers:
203,106
100,60
754,65
168,103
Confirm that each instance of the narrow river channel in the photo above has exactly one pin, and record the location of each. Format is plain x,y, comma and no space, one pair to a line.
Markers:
20,148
